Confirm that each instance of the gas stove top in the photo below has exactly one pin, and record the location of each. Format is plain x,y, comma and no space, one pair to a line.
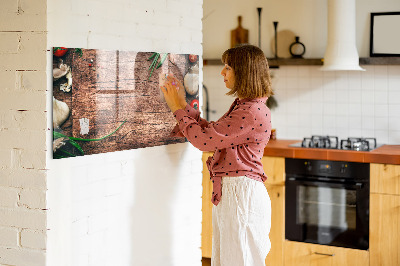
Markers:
332,142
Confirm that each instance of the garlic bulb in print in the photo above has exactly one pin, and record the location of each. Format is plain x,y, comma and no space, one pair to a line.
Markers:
191,80
60,112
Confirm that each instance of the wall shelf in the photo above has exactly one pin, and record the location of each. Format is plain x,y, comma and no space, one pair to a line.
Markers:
273,63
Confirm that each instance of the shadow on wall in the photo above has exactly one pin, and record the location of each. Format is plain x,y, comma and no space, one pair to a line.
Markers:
154,201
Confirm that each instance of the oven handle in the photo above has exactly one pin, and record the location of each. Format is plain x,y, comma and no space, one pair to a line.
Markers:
357,185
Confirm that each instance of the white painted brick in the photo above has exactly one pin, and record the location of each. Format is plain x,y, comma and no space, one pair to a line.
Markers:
12,256
9,42
8,237
7,80
31,80
33,239
23,218
33,199
23,178
8,197
23,139
23,100
33,159
5,158
33,7
33,120
32,55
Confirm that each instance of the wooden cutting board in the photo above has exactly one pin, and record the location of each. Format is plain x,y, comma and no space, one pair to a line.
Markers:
239,35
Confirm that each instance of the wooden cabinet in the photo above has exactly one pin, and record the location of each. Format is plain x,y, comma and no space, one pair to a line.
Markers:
385,215
385,178
206,226
305,254
274,168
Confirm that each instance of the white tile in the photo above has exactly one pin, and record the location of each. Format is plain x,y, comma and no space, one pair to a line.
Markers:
354,83
342,96
342,109
382,136
381,123
367,96
381,84
329,109
394,97
304,72
329,122
317,95
355,122
394,110
355,109
291,71
342,122
355,132
394,137
381,97
303,82
381,110
316,82
394,70
329,94
317,107
367,83
342,81
368,123
355,96
367,110
394,83
316,72
292,83
394,123
380,71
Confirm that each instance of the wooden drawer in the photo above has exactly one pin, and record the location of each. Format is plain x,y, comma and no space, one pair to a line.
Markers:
304,254
274,168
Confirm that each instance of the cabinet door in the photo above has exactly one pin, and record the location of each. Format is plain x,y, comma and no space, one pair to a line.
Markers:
385,178
274,168
206,232
384,230
277,233
304,254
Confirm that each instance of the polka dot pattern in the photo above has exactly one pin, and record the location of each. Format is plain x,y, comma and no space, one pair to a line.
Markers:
238,139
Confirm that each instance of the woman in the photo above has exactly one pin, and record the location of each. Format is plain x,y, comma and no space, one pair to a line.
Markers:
242,208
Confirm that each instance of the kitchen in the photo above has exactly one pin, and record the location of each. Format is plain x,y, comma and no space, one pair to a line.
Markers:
312,104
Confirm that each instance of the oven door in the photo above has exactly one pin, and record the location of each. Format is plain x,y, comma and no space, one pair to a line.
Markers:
327,213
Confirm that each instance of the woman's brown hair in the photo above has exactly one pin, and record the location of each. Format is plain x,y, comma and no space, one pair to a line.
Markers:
250,66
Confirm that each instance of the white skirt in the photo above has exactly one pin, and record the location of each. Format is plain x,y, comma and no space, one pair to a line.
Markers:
241,223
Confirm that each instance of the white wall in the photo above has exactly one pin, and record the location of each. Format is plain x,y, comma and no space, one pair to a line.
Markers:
136,207
311,102
305,18
23,133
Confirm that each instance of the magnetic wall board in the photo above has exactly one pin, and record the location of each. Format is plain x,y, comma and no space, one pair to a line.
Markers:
106,101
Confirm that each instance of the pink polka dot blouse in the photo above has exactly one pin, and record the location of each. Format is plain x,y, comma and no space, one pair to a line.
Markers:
238,139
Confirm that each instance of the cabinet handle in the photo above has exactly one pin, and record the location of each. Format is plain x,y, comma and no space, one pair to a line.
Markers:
324,254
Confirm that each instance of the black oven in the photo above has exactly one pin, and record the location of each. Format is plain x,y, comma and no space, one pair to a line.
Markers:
327,202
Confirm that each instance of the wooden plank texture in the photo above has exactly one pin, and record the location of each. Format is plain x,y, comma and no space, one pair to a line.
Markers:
110,87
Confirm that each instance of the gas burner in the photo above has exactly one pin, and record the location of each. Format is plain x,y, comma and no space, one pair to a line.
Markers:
327,142
358,144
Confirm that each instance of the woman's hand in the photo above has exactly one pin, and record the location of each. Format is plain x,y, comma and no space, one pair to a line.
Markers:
170,89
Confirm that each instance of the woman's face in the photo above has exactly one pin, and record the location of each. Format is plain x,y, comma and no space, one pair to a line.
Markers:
229,76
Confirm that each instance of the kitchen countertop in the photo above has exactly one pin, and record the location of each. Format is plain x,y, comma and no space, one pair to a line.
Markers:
389,154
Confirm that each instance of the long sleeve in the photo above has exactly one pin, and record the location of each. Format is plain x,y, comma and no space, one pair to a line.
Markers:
231,130
193,113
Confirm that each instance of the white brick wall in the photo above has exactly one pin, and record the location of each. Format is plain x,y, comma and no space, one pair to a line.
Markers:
137,207
23,132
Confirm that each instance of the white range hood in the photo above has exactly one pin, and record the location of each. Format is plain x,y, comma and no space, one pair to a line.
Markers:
341,51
